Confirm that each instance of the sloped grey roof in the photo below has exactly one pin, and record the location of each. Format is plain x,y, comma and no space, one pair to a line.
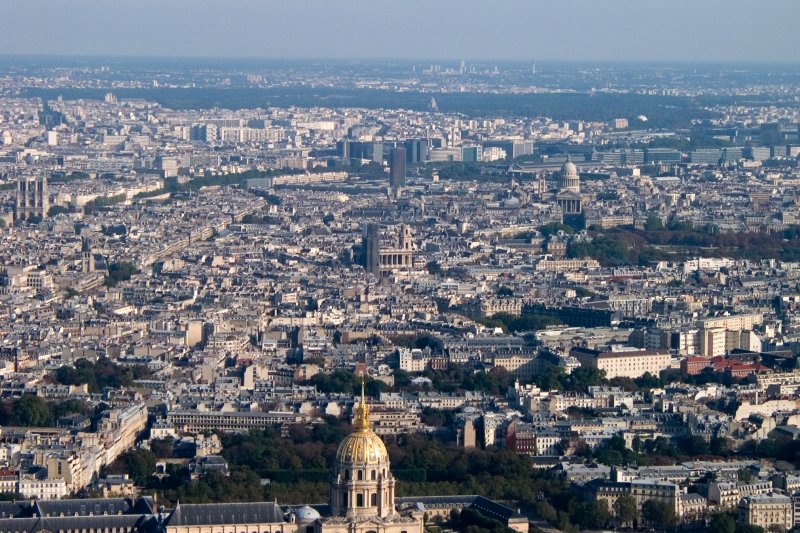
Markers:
37,524
76,506
14,525
494,509
83,507
144,505
16,509
225,513
436,501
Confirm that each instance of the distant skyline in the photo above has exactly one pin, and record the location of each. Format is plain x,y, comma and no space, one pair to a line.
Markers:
561,30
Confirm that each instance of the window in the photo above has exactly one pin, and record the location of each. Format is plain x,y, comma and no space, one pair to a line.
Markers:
360,475
347,475
374,475
359,500
374,502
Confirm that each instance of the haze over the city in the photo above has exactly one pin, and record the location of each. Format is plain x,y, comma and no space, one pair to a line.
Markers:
620,30
360,266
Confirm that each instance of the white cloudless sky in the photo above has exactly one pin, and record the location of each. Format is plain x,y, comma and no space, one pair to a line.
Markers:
623,30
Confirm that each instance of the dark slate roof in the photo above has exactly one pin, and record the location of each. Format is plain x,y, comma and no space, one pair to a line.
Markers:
17,509
494,509
144,505
225,513
595,485
76,507
790,430
486,506
83,507
17,525
439,501
143,523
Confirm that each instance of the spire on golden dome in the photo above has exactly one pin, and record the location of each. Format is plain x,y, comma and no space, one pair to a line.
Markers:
361,422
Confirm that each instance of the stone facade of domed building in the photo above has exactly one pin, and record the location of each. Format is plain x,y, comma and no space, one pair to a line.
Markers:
569,179
569,196
362,486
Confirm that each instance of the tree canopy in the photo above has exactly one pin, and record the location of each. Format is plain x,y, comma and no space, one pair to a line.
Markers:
121,271
100,374
625,509
659,514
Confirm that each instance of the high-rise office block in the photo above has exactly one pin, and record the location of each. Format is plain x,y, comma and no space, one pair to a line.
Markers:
758,153
732,154
167,165
31,199
662,155
472,153
416,150
348,149
513,149
377,152
343,149
705,156
397,167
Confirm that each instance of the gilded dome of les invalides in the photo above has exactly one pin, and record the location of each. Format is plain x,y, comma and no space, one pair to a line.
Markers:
362,446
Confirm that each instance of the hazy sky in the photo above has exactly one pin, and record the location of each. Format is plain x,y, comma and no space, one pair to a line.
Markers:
662,30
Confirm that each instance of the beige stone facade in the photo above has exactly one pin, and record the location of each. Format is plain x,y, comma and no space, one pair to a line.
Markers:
765,510
641,490
628,364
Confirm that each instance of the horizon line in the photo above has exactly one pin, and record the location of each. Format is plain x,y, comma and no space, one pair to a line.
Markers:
39,55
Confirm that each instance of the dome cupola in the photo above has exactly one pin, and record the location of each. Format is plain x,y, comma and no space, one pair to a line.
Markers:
569,179
362,483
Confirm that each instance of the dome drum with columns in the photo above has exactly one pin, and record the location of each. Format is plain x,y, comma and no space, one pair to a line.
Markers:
569,179
362,485
569,197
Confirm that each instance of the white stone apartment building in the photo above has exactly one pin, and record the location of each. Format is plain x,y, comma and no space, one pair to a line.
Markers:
626,363
766,510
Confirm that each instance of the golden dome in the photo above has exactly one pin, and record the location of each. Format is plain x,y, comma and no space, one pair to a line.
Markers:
362,448
362,445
